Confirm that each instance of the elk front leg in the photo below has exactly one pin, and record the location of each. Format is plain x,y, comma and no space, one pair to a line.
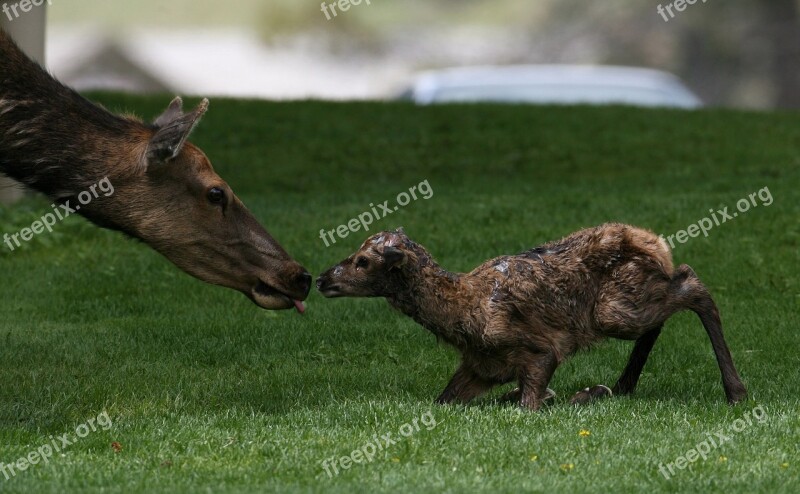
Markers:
463,387
534,377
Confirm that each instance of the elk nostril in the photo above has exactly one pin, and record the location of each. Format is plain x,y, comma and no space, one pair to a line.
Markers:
305,279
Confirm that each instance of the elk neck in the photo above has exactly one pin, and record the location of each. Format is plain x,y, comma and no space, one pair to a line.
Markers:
54,140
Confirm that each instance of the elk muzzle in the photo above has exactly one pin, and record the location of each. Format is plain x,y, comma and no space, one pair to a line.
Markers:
286,294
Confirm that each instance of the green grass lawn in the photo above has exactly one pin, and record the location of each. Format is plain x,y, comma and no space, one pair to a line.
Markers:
207,393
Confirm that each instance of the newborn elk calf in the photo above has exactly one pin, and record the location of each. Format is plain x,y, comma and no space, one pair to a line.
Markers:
515,318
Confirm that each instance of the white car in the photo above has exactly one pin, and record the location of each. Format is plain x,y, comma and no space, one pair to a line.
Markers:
553,84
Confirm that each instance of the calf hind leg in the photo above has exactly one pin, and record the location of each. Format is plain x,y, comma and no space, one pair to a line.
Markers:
685,292
641,351
590,394
630,376
690,293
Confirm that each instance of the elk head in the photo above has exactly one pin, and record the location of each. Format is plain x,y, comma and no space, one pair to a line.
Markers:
158,187
175,202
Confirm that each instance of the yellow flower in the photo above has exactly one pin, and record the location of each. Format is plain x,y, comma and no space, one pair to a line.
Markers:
723,459
566,467
534,457
396,460
584,433
785,465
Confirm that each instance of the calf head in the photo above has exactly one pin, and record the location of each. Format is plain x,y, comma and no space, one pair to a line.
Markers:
374,270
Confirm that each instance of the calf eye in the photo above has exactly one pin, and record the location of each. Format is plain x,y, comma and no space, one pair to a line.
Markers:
362,262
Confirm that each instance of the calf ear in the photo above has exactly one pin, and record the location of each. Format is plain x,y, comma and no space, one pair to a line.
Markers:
174,128
173,111
394,257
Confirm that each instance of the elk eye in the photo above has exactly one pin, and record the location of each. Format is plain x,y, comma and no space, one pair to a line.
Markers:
216,195
362,262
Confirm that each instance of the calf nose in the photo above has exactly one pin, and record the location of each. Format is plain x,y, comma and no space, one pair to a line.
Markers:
320,282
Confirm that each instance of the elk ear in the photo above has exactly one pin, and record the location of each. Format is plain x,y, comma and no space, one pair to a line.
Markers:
176,126
394,257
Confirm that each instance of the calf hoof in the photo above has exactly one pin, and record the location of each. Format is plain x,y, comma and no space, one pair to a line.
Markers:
512,396
515,395
591,394
737,394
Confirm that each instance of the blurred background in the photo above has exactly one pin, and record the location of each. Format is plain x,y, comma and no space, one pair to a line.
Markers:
736,53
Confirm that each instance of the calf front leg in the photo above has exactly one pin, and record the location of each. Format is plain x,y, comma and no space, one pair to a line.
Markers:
535,375
464,386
